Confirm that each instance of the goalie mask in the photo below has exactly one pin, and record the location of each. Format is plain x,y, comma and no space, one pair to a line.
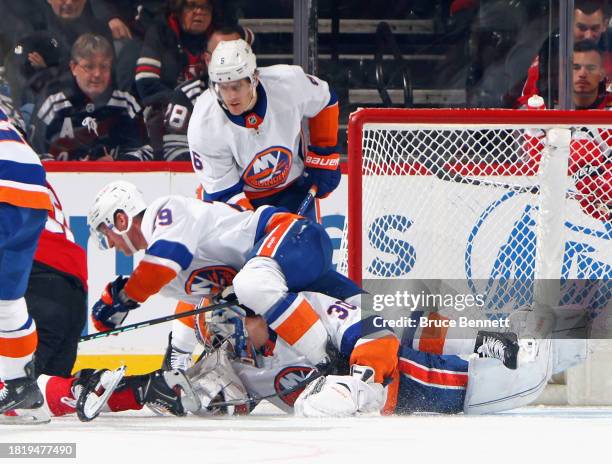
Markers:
224,327
114,197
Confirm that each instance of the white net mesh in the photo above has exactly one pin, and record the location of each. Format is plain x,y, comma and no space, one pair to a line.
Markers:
460,202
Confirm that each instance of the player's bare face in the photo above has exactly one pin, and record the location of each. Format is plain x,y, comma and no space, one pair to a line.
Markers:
196,16
92,74
587,73
237,96
115,240
67,9
588,26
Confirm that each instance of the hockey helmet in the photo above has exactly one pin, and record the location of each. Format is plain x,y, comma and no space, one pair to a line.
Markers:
232,60
116,196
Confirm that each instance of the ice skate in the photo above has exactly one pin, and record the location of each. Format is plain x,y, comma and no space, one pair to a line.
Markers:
92,392
21,400
502,346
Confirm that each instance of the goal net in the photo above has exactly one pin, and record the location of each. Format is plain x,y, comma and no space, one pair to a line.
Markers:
488,202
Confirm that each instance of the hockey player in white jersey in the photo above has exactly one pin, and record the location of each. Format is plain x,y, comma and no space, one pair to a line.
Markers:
372,371
197,248
244,362
245,133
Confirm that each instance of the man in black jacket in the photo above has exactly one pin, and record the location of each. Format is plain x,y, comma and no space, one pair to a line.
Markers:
84,117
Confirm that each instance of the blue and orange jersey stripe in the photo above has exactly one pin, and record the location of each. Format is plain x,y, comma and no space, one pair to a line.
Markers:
22,177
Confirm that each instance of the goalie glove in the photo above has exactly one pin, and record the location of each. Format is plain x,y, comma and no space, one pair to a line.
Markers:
111,309
342,395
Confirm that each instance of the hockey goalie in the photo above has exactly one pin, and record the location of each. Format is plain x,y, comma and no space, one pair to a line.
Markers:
370,370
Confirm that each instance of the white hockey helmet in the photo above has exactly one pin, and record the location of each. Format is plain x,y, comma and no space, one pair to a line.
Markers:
116,196
232,60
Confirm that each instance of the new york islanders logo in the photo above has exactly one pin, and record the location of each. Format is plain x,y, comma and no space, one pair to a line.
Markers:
269,169
288,379
211,279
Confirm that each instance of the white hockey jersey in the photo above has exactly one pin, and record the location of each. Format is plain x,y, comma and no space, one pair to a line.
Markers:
260,152
280,367
195,248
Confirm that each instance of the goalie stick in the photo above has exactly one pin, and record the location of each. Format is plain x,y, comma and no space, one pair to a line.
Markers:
442,173
159,320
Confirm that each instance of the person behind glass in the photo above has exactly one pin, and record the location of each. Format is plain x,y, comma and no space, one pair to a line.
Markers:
173,47
66,21
590,162
589,78
84,117
590,20
42,55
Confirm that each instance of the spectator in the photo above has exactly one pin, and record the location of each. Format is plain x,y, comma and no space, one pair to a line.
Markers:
85,117
174,46
590,20
589,77
590,163
43,56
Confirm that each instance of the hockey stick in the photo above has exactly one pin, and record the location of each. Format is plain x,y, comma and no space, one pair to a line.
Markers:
443,174
159,320
312,193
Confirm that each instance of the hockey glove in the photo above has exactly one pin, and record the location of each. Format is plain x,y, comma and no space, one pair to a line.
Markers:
111,309
322,168
342,395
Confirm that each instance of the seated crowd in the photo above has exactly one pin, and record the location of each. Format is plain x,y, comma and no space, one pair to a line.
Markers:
109,80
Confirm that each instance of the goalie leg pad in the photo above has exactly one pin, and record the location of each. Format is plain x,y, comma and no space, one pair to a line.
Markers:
493,388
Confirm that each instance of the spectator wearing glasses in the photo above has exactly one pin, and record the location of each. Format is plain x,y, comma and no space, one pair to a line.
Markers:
84,117
174,46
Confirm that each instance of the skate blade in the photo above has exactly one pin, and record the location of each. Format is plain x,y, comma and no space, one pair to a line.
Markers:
25,417
93,403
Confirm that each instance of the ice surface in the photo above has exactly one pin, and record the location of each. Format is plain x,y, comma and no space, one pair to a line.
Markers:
535,435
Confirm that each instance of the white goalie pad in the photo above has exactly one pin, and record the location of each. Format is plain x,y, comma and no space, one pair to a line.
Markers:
494,388
569,353
569,326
